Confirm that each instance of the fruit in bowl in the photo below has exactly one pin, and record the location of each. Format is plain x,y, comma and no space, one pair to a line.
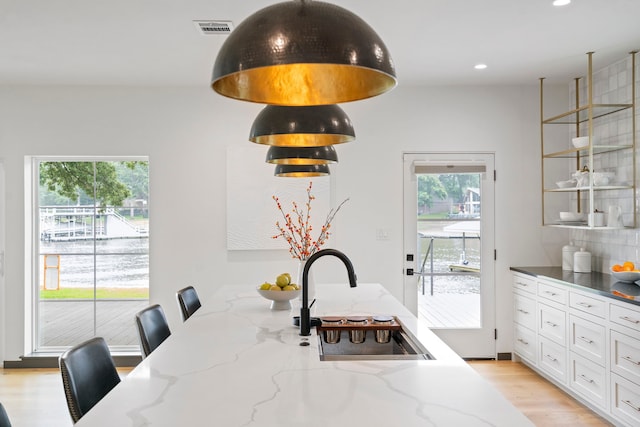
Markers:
281,292
625,272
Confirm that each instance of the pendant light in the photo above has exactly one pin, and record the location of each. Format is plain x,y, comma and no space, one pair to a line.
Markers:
301,171
311,126
302,155
303,52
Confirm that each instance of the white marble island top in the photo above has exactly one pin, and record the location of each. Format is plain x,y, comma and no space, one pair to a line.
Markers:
238,363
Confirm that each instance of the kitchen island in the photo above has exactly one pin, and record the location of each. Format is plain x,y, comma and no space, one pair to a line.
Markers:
235,362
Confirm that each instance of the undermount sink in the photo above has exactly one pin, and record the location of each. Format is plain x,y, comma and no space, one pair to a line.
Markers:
367,339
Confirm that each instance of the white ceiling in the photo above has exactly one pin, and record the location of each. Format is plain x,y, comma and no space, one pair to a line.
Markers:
155,42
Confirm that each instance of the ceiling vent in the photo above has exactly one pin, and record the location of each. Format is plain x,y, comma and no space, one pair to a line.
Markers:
209,28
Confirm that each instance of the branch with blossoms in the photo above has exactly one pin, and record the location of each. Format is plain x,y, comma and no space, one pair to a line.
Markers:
297,230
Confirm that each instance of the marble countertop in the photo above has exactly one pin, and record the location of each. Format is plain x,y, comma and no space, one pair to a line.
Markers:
595,282
238,363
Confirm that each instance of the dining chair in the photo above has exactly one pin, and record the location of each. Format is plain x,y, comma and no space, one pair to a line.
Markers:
88,374
153,328
4,418
188,301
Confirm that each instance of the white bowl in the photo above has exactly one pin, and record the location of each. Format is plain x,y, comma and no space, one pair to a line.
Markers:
280,300
603,178
626,276
580,142
571,216
566,184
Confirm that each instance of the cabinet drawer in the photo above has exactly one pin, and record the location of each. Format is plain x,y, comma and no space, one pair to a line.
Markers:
525,343
589,380
552,323
524,283
587,304
525,311
552,293
588,339
625,315
625,356
625,400
552,358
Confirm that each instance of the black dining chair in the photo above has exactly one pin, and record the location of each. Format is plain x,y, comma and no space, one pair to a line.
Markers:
188,301
88,374
153,328
4,418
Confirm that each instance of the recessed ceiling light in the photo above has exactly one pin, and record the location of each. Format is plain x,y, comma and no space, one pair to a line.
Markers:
561,2
480,66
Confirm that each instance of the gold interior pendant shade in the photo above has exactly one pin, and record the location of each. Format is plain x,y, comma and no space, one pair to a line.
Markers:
312,126
303,52
302,155
301,171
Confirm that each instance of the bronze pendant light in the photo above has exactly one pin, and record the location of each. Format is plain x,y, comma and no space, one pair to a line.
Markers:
303,52
302,155
301,171
311,126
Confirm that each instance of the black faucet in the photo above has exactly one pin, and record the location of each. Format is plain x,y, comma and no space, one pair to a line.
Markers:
305,320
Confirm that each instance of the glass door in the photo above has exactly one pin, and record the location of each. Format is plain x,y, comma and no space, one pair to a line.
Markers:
448,200
93,252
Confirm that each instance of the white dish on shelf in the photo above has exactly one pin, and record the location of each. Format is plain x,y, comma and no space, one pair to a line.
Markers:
572,216
580,141
566,184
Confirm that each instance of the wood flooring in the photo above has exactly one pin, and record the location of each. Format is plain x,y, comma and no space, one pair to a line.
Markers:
35,398
542,402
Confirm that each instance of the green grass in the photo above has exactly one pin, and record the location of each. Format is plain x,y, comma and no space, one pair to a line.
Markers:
441,215
101,293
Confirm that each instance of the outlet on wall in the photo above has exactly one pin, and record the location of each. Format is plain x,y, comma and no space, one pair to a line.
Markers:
382,234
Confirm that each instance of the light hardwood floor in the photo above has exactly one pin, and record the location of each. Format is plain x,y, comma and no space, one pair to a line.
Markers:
542,402
34,397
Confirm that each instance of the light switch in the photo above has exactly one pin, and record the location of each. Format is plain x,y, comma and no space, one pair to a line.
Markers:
382,234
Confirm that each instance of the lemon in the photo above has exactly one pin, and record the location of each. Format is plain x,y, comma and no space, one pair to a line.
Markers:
275,288
288,288
265,286
283,280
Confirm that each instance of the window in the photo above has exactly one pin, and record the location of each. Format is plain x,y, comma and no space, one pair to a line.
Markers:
92,245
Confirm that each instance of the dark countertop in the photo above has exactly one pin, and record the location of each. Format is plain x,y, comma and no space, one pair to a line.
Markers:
598,283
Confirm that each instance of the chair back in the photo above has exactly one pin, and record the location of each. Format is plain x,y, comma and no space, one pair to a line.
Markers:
153,328
4,418
188,301
88,374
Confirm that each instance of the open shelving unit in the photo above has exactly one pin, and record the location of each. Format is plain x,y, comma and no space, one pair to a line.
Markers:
560,158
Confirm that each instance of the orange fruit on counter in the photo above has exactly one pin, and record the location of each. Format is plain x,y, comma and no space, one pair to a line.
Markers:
628,266
616,268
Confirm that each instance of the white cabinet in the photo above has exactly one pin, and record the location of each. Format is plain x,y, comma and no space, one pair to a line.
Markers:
588,339
586,344
552,323
625,402
625,356
553,359
589,380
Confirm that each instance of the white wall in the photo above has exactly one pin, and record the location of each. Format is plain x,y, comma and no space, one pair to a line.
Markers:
185,132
